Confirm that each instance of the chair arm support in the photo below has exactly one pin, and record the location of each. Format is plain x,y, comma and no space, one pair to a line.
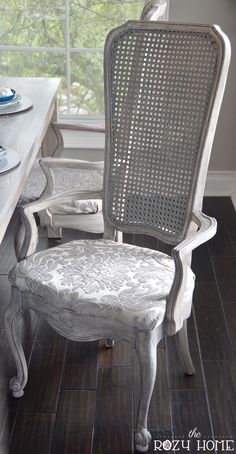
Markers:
29,243
49,164
176,312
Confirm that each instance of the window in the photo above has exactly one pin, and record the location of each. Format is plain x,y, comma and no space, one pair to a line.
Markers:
48,38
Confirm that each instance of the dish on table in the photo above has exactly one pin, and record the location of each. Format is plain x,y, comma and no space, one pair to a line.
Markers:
6,94
8,97
3,152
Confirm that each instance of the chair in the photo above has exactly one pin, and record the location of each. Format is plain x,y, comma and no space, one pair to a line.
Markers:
154,10
54,175
164,85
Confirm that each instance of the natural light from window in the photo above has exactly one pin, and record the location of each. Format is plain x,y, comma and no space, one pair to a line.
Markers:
45,38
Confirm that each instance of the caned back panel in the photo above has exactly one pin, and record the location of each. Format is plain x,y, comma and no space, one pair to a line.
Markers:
160,82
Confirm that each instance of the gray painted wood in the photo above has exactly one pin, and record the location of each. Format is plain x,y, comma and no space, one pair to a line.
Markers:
194,229
24,133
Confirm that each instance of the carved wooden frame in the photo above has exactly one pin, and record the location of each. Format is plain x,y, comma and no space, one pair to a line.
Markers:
200,228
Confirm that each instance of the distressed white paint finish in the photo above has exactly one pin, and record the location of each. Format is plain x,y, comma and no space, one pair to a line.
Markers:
197,228
24,133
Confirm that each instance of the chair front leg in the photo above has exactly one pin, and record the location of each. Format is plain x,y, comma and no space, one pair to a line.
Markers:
146,344
12,315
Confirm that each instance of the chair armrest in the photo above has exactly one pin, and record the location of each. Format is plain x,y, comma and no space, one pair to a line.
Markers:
57,127
71,163
207,229
178,309
28,239
79,127
49,164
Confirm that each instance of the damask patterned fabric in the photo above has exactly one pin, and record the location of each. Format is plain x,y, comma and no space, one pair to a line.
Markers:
65,179
34,185
78,207
102,278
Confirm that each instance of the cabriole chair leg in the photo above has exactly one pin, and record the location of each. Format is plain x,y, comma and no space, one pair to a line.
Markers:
146,345
12,315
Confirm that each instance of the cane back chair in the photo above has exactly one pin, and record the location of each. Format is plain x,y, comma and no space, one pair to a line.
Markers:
55,174
164,84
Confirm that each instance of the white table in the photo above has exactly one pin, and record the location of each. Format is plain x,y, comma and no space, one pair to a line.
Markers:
24,132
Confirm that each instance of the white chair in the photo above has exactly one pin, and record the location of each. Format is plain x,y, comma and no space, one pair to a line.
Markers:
54,175
164,84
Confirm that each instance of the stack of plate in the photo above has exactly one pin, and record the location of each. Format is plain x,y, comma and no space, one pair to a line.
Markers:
3,152
9,159
8,97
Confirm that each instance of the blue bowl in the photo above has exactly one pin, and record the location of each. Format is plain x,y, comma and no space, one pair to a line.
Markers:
9,97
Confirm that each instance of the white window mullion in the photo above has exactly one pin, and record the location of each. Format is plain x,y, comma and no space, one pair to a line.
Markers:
68,68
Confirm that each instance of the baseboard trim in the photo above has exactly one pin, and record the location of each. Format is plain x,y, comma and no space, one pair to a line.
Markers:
221,184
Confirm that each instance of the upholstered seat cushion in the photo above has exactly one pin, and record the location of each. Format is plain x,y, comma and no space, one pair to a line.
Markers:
78,207
102,278
65,179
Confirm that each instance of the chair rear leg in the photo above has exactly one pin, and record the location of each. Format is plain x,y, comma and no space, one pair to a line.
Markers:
146,349
183,349
12,315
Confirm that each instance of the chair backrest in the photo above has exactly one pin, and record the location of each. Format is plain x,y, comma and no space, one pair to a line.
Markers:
164,85
154,10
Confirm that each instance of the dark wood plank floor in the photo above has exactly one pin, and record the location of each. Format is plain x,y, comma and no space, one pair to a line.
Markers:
81,397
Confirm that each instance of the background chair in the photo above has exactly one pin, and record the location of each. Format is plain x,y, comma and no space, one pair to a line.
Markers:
54,175
164,85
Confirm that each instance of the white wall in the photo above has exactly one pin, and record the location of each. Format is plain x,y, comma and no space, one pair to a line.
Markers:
223,13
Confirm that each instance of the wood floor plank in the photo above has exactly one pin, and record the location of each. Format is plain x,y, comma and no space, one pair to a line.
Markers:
45,373
164,247
73,234
80,371
113,418
119,355
217,206
225,269
221,388
159,413
176,375
230,312
189,410
220,244
74,423
214,338
127,238
3,410
222,208
145,241
33,433
7,251
201,264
